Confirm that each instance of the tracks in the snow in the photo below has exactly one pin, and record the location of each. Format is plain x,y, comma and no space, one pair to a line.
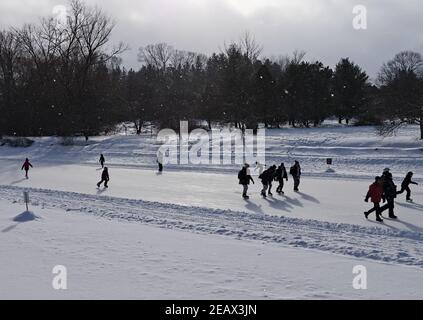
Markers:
387,245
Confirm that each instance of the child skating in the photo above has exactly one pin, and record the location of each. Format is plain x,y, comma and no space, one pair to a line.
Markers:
405,186
104,178
26,167
375,194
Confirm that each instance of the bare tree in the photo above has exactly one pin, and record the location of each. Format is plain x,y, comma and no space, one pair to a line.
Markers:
182,58
250,47
156,55
285,60
10,52
407,61
401,81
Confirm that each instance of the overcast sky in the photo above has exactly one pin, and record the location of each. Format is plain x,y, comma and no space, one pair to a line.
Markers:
322,28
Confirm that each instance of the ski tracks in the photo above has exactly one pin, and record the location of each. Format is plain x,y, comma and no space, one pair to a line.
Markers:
385,245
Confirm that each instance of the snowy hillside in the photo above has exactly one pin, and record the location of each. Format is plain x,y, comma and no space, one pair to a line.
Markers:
187,233
357,151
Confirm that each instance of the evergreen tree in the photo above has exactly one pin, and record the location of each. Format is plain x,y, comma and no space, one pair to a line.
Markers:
349,89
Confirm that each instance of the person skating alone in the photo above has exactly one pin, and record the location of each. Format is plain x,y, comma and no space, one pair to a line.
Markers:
375,194
104,178
389,193
245,178
280,175
102,160
405,186
26,167
295,172
160,160
266,179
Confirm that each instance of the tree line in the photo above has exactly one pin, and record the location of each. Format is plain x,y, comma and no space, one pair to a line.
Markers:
63,78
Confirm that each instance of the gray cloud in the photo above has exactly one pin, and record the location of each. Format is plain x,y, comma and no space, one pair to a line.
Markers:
323,28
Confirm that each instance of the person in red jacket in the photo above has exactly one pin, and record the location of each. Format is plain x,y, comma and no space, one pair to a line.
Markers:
375,194
26,166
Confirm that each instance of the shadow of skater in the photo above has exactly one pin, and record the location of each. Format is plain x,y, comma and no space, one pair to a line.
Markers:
410,226
308,197
384,225
278,204
101,191
414,206
21,218
293,202
253,207
18,181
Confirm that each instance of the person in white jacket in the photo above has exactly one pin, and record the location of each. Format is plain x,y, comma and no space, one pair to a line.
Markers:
259,167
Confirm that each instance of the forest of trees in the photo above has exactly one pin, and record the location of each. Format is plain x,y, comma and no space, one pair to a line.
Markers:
63,79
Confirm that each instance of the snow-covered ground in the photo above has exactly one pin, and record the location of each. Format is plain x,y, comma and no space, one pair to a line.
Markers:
356,151
188,233
106,259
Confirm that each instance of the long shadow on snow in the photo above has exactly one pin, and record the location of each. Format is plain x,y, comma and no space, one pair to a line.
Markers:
18,181
293,202
253,207
384,224
278,204
25,216
101,191
414,206
308,197
410,226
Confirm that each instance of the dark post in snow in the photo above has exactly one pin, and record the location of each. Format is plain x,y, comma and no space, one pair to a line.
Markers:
26,199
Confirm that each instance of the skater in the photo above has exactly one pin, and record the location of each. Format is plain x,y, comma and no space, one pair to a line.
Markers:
266,179
102,160
26,167
295,172
280,175
104,178
259,167
405,186
245,178
389,193
375,194
160,160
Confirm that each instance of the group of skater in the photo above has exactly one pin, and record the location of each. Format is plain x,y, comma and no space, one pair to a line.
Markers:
385,190
268,176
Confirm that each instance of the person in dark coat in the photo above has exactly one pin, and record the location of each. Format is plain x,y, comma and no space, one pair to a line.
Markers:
295,172
104,178
245,178
405,185
375,194
26,167
280,175
159,160
389,193
266,179
102,160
